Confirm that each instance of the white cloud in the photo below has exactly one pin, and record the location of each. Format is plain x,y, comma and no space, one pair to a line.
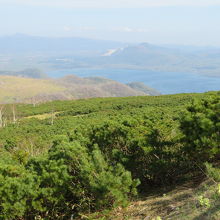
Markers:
67,28
109,29
130,30
111,3
123,29
87,28
142,30
79,29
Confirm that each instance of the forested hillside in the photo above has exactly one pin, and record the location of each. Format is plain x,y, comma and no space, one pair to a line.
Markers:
82,159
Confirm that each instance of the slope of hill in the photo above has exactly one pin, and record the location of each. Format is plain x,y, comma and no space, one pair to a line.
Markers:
19,89
64,154
143,88
29,90
205,61
96,87
31,73
165,59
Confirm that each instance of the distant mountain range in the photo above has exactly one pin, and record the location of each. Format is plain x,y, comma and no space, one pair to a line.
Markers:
35,45
204,61
22,51
34,90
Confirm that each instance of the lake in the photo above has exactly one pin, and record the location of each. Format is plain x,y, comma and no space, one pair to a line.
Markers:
165,82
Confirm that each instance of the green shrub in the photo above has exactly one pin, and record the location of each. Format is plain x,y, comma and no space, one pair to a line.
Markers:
97,183
146,149
17,188
66,181
200,126
213,172
104,145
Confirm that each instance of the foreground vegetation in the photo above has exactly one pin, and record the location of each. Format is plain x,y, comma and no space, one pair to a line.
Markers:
68,159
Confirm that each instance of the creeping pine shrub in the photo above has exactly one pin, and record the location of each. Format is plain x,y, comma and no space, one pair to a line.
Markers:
144,148
17,188
200,126
67,180
94,182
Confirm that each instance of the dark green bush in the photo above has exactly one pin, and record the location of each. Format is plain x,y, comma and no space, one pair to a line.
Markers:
17,188
66,181
104,145
201,128
146,149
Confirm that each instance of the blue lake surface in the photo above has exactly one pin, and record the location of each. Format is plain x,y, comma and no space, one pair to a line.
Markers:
165,82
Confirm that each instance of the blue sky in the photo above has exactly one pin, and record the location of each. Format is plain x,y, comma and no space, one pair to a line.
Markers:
193,22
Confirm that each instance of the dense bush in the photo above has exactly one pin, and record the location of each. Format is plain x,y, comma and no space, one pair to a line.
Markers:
65,182
144,148
93,154
16,187
201,128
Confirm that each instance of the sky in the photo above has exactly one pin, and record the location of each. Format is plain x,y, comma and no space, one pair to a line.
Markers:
186,22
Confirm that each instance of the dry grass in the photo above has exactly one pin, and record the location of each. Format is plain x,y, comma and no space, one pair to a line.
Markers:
17,88
180,203
44,116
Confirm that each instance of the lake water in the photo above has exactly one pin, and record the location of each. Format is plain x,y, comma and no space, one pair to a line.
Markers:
165,82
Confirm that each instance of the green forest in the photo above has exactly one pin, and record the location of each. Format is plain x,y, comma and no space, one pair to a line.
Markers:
82,159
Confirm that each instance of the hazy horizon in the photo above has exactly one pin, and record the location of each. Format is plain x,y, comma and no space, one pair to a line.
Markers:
119,41
175,22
